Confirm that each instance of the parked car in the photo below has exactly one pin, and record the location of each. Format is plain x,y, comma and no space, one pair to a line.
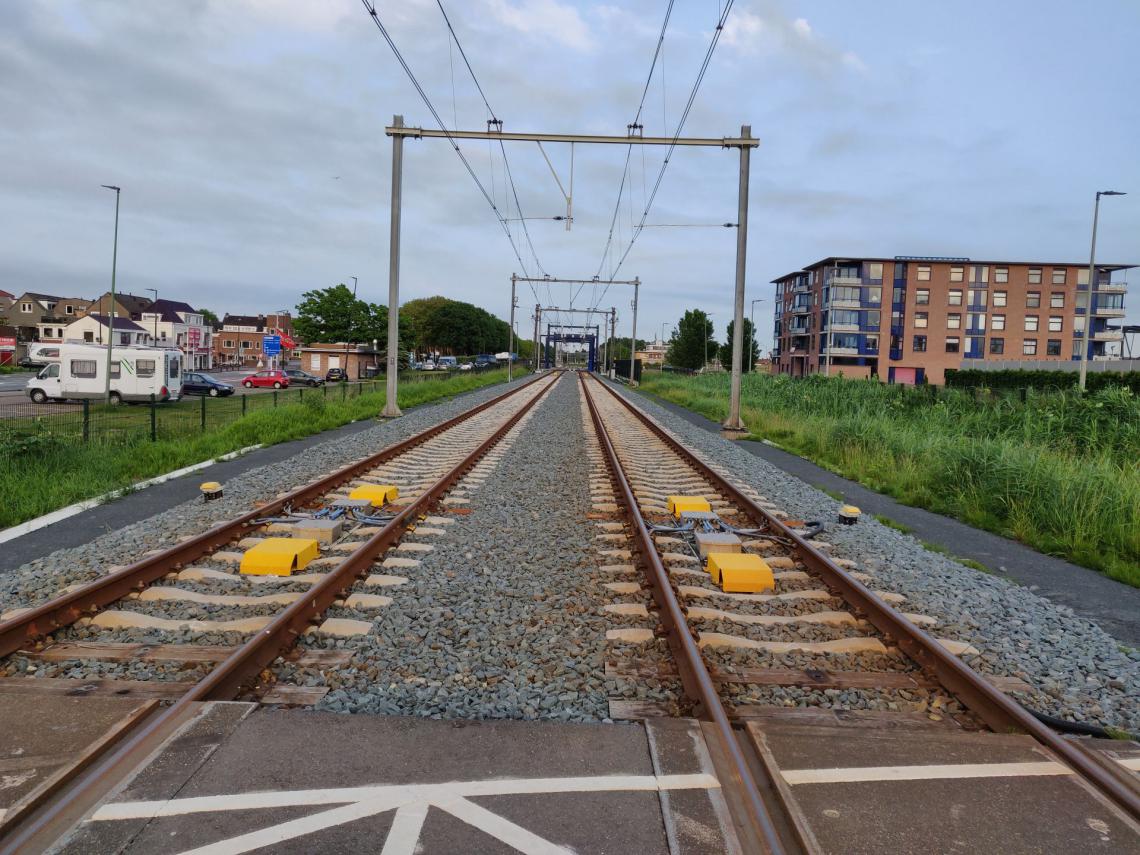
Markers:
28,362
267,379
485,360
303,378
197,383
336,375
429,365
447,363
465,366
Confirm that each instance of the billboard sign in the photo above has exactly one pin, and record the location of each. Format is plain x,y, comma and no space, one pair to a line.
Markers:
271,344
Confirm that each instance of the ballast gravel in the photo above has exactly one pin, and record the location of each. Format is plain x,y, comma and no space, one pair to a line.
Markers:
43,578
503,618
1078,671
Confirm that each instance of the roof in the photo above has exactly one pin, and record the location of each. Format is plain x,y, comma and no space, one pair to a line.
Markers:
4,293
121,323
257,321
168,310
46,297
917,259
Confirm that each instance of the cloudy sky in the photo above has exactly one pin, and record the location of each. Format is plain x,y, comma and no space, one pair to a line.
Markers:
248,137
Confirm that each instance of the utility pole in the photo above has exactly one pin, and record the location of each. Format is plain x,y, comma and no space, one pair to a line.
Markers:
734,422
111,312
752,336
613,338
538,362
633,339
349,333
154,314
511,334
1092,287
391,408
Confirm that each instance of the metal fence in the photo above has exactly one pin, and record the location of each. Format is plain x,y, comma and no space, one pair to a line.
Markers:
96,422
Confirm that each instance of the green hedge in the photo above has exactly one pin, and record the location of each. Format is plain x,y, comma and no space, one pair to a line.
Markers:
970,378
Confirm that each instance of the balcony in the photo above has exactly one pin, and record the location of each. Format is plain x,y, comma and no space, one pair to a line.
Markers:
846,304
801,310
845,328
1109,311
1108,335
1112,288
842,351
845,280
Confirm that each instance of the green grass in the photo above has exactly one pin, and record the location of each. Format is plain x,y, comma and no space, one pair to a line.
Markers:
15,369
42,472
890,523
1059,472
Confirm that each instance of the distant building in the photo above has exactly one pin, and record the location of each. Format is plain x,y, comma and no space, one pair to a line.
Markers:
67,310
831,316
42,317
173,323
238,340
654,353
359,360
126,306
93,328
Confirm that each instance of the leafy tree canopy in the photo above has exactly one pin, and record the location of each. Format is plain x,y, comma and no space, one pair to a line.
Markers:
692,342
725,352
209,318
334,314
453,327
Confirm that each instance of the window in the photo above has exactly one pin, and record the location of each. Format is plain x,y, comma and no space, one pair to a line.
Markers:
83,368
922,297
116,370
952,344
875,270
873,318
955,296
246,345
846,294
1056,324
227,342
1079,324
1033,300
1001,298
920,320
875,295
1034,275
69,309
50,306
976,321
1082,299
977,296
125,338
997,346
1076,350
1058,275
89,336
844,317
954,321
144,367
997,322
1031,323
981,273
924,273
1029,347
1057,300
174,368
1083,276
919,344
871,344
1001,275
1053,347
957,274
26,308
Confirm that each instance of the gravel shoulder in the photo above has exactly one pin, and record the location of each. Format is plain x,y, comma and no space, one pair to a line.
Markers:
1078,671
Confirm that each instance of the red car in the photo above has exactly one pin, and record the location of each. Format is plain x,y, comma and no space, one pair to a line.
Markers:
267,379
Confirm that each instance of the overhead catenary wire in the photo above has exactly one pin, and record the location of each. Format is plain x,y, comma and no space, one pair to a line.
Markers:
371,9
672,145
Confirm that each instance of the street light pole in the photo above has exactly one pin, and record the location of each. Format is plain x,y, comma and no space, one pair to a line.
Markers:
154,314
752,339
111,312
710,329
1092,287
391,408
511,332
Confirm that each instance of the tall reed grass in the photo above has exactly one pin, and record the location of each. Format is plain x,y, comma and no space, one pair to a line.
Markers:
1059,471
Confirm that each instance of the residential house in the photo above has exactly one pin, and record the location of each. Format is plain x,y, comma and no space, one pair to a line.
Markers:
126,306
173,323
93,328
67,309
27,312
359,361
238,341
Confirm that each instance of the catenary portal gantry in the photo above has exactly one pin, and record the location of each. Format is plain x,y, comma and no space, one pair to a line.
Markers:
398,131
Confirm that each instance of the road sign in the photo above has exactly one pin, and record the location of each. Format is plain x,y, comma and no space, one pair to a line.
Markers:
193,336
271,344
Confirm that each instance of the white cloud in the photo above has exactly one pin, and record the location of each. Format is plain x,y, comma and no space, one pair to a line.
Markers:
546,19
766,30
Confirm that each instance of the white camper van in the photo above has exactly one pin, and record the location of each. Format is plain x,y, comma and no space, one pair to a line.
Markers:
136,374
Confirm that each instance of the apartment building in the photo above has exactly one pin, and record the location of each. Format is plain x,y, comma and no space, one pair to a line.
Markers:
907,319
173,323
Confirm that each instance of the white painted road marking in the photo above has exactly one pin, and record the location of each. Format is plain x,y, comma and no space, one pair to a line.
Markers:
866,774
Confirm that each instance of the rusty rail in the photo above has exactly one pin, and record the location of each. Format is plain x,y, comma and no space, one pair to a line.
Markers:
64,610
245,664
999,711
695,677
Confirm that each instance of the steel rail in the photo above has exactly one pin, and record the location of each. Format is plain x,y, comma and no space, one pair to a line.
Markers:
697,680
245,664
64,610
999,711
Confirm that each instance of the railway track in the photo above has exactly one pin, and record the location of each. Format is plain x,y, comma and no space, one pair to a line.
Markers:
250,629
824,629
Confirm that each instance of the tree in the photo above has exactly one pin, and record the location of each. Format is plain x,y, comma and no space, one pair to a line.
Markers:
333,314
451,326
209,318
750,347
692,341
618,348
